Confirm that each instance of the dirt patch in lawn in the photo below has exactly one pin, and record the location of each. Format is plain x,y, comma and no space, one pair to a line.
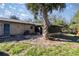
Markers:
41,42
74,45
38,40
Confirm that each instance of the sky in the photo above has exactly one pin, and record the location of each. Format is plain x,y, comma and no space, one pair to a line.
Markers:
20,11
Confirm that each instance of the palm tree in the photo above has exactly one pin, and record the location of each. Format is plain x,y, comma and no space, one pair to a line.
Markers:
44,8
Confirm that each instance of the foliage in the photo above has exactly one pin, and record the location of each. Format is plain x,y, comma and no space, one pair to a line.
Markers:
36,7
58,22
38,21
14,17
75,21
76,18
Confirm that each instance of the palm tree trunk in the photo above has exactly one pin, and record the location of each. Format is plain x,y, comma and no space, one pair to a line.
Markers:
45,27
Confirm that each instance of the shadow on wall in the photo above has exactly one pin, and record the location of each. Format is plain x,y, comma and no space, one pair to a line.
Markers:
3,54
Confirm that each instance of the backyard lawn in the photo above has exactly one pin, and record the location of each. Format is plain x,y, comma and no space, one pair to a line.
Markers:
38,47
25,48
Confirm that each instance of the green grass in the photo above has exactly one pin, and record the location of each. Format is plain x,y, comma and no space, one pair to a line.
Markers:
60,50
26,49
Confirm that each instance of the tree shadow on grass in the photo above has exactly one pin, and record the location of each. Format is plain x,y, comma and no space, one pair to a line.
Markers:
17,38
55,37
65,38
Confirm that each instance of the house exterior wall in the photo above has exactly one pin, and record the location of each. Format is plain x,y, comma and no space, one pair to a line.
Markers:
16,28
28,27
1,28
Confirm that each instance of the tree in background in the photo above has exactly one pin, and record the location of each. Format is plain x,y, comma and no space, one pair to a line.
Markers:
44,8
75,19
38,21
14,17
60,21
75,22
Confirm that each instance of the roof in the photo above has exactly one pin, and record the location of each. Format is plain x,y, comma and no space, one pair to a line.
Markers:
15,21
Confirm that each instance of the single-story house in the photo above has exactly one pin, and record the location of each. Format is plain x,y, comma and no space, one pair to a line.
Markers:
15,27
19,27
